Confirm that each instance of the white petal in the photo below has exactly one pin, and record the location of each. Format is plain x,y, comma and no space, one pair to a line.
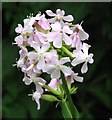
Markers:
26,22
77,78
83,35
66,29
37,17
52,20
57,41
77,61
27,80
66,70
40,80
37,96
67,39
41,63
56,26
60,12
79,54
55,60
19,28
64,60
78,44
85,49
19,40
20,63
38,87
48,67
68,18
90,58
50,13
51,36
28,29
45,47
84,68
33,56
55,74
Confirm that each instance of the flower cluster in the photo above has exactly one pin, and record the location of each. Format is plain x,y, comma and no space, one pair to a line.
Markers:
51,46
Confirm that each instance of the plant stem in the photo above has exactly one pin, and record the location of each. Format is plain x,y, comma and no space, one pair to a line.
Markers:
73,109
65,50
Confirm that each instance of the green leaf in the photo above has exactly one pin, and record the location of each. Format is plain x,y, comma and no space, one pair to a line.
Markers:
65,110
68,112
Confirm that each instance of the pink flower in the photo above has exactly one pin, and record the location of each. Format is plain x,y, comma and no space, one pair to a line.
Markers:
59,15
58,34
78,36
82,56
74,76
58,66
39,55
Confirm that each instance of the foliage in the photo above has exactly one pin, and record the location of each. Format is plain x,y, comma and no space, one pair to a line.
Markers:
93,97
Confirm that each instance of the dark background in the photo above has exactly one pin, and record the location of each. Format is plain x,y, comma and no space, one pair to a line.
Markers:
94,96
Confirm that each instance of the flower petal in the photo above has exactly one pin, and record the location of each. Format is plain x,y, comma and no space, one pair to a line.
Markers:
60,12
48,67
53,84
19,40
51,36
77,78
41,63
50,13
66,29
84,68
64,60
55,74
40,80
19,28
37,96
27,81
77,61
85,48
52,20
91,60
83,35
45,47
43,22
79,54
57,41
56,26
66,70
33,56
68,18
67,39
20,63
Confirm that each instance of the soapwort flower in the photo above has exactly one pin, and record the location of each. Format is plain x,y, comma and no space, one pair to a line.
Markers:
83,56
59,16
78,35
58,66
52,47
39,55
59,34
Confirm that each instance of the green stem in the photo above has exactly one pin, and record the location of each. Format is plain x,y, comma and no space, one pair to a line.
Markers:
65,50
72,108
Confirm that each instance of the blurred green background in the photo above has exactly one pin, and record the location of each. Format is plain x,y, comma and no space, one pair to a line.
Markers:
94,96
